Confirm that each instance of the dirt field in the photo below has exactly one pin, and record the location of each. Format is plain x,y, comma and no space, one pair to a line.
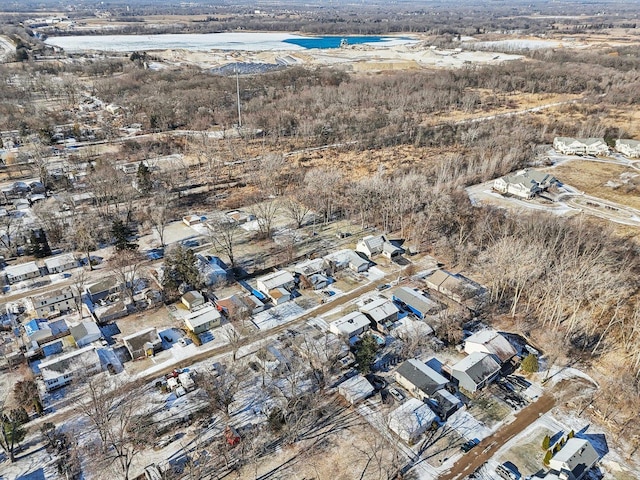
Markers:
592,178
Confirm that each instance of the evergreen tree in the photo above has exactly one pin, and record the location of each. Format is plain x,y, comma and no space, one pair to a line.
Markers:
547,457
546,442
121,234
145,183
180,272
530,364
365,353
11,430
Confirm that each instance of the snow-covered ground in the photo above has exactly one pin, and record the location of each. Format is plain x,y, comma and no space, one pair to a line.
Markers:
467,426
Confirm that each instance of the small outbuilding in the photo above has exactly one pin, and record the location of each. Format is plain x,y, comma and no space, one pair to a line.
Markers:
85,332
192,299
356,389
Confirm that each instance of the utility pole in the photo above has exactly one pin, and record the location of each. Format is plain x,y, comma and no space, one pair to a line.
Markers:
238,95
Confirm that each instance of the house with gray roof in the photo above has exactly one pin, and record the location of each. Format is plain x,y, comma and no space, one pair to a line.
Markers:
144,343
491,342
84,333
573,461
417,302
457,287
62,370
373,245
525,183
102,289
52,303
579,146
475,371
382,313
629,148
419,379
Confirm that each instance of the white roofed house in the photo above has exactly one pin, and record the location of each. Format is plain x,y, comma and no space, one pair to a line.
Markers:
54,303
573,461
350,325
381,312
578,146
629,148
373,245
524,183
22,272
356,389
203,319
342,259
412,419
491,342
84,333
62,370
475,371
277,286
61,263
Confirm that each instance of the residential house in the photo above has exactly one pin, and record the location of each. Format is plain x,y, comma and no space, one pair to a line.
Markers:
491,342
212,269
278,279
191,220
415,301
312,274
53,303
240,217
381,312
61,263
356,389
573,461
39,332
203,319
411,419
110,312
629,148
192,299
524,183
456,287
102,289
21,272
342,259
444,403
240,306
186,381
475,371
85,332
373,245
419,379
350,325
144,343
279,295
60,371
579,146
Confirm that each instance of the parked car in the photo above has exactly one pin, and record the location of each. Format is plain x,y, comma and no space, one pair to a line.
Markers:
465,447
505,472
396,394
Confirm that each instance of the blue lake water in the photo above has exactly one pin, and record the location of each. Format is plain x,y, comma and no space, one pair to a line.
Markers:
244,41
334,41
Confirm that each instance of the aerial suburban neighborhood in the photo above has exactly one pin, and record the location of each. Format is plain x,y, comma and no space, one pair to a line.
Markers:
288,241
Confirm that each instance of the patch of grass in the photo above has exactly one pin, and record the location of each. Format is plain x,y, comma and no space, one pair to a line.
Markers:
528,454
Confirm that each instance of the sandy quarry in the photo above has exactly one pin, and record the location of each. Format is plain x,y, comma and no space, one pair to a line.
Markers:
358,57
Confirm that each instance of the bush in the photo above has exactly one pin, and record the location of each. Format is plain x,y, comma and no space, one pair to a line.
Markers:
530,364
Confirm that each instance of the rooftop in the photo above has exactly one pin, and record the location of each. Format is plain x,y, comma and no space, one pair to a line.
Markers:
60,261
478,366
208,313
351,323
422,376
22,269
276,279
379,309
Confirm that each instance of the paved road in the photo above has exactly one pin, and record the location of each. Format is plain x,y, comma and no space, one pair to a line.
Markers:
471,461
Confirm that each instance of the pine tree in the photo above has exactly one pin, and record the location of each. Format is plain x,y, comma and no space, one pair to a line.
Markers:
144,179
530,364
547,458
546,442
121,233
571,434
